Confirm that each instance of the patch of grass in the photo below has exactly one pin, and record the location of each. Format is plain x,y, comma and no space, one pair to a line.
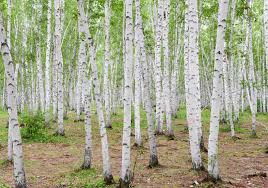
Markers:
226,128
82,178
98,184
4,163
3,185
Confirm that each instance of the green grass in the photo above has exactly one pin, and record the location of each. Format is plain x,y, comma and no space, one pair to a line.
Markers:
83,178
3,186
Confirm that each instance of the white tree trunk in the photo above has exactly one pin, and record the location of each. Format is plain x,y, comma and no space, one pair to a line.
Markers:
265,20
59,62
9,24
252,79
158,70
40,94
55,84
106,64
213,166
47,74
228,93
166,82
81,72
192,92
88,138
137,72
147,92
108,178
125,166
19,174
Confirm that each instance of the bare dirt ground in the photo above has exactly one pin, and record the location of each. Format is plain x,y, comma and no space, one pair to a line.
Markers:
243,163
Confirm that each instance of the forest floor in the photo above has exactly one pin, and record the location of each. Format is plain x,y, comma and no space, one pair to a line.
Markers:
56,164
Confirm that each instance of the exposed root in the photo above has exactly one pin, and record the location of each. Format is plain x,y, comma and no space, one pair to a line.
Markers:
257,174
235,138
109,180
158,132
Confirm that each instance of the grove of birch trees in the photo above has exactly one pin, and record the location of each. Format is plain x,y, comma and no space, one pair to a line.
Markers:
127,76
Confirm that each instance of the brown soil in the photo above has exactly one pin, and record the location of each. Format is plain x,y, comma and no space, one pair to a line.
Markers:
46,165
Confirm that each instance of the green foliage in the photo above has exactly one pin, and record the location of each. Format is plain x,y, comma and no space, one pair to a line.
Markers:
33,125
33,129
3,185
83,178
98,184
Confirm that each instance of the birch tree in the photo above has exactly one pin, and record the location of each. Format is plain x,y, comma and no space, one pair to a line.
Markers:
213,166
137,73
88,138
106,84
18,166
47,73
166,82
147,92
125,166
158,70
265,20
59,62
108,178
252,91
192,83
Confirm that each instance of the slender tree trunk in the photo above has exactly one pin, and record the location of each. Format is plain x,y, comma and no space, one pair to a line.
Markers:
81,72
48,49
125,166
166,82
192,86
265,20
59,62
108,178
158,71
19,174
213,166
228,93
9,24
40,93
252,79
106,64
137,73
88,139
147,94
55,84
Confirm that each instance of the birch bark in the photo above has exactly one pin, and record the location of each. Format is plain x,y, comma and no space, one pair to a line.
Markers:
125,166
213,166
108,178
166,79
47,74
137,72
19,174
158,71
192,86
147,94
107,63
88,139
59,62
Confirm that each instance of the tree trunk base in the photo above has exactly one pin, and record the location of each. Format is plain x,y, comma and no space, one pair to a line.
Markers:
123,184
21,185
59,133
159,132
86,165
213,179
138,146
253,134
202,146
170,136
109,126
153,161
109,179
